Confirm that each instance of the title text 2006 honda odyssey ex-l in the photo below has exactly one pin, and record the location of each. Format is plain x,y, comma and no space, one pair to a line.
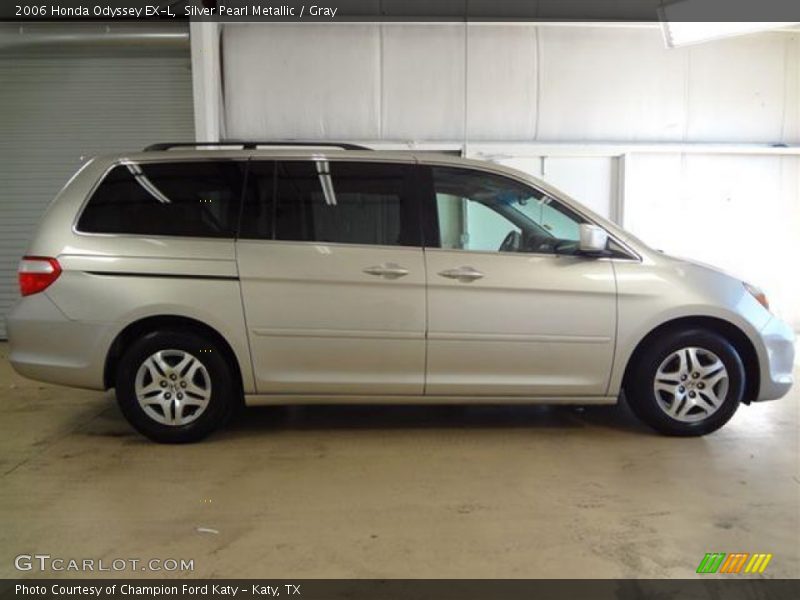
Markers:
192,280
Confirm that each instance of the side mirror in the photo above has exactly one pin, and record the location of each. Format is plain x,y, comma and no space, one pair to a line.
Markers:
594,239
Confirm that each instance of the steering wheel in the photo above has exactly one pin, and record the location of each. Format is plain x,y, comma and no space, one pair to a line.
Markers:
512,242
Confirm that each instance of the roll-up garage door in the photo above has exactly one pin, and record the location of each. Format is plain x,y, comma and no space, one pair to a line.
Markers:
57,111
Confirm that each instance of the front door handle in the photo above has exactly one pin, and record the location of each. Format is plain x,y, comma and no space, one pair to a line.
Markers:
463,274
387,270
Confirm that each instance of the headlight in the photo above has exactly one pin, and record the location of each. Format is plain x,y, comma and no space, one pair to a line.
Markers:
758,294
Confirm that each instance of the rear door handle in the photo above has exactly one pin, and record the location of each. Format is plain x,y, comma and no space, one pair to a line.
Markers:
464,274
387,270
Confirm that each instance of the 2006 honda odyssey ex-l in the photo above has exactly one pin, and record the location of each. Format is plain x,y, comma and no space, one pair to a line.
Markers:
191,280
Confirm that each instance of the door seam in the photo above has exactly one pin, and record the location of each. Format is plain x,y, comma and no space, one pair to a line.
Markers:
616,329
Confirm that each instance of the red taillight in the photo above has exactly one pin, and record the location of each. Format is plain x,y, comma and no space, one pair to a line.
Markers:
36,273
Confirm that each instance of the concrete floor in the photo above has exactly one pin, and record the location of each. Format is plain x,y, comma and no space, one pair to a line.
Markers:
393,492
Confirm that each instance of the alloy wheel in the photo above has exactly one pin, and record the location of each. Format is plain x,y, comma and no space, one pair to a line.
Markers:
691,384
172,387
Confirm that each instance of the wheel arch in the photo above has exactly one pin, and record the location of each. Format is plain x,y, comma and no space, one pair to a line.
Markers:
741,342
149,324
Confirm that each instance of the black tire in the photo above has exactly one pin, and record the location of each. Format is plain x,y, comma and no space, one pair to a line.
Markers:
219,407
641,396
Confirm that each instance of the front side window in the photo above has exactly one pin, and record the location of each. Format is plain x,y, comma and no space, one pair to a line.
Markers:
336,202
193,199
489,213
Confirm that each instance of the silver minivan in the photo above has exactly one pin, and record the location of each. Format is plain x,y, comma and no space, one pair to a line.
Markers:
196,279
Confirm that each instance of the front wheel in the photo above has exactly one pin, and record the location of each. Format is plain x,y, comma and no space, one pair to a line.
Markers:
686,383
174,387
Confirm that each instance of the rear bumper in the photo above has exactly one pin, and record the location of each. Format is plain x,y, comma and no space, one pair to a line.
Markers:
47,346
777,360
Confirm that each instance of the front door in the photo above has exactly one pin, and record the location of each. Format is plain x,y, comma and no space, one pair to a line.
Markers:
333,277
513,308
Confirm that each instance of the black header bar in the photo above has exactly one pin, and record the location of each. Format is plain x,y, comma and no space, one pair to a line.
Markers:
343,11
707,587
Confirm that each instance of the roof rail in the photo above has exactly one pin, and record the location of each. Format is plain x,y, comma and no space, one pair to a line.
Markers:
248,145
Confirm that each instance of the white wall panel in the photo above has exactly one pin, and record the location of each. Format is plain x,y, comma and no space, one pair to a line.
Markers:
739,213
417,82
737,89
610,84
501,83
791,95
300,81
423,82
654,196
590,180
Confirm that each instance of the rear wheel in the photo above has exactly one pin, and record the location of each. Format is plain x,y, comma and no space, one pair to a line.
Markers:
174,387
686,383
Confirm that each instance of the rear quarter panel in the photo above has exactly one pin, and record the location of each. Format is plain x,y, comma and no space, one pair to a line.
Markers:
110,281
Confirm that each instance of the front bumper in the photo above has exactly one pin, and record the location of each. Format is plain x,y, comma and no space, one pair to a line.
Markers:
47,346
777,360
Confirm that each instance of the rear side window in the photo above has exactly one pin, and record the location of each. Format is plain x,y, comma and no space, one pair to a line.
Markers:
193,199
336,202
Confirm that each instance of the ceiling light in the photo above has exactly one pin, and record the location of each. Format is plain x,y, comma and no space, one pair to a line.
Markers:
682,25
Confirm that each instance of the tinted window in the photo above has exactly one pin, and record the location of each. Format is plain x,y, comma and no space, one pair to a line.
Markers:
490,213
339,202
197,199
